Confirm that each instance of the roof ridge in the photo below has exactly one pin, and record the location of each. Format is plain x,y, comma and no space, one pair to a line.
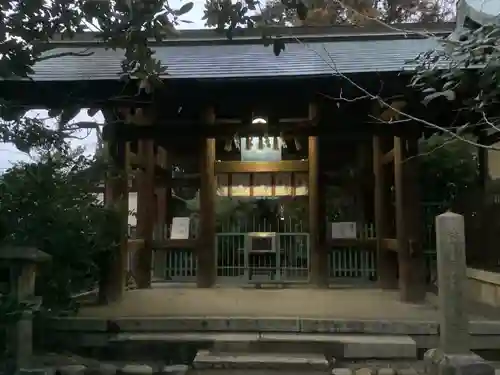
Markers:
244,36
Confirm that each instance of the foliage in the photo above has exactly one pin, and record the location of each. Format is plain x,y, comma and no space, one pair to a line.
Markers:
448,169
49,204
332,12
446,73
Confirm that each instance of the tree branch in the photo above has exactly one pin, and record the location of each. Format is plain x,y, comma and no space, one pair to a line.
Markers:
63,54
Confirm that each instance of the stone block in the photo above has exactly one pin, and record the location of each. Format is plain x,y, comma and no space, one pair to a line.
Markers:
342,371
72,370
104,369
34,371
259,361
175,370
386,371
364,371
380,347
407,371
439,363
135,370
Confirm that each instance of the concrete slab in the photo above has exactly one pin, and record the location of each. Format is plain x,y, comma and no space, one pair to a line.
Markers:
354,346
260,361
336,345
348,346
185,337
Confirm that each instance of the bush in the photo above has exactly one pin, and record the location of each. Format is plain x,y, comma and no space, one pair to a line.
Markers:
51,204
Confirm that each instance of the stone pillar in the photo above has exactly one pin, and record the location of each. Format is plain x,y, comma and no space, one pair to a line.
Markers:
453,355
452,276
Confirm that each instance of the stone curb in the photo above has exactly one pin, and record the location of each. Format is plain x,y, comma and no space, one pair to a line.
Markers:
370,371
109,369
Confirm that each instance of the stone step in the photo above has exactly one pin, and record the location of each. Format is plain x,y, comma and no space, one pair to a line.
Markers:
356,346
296,362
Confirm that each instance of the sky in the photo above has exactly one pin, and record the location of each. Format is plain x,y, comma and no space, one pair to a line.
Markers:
9,154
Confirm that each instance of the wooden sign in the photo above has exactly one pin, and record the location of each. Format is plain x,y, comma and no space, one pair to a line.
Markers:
283,184
240,185
222,185
301,184
343,230
180,228
262,185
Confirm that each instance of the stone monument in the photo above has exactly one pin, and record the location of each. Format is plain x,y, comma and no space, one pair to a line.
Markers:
453,357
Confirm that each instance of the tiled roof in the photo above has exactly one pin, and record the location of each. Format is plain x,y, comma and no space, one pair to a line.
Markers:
212,61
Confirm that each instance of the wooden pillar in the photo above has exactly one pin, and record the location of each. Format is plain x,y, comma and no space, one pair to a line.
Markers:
164,194
205,276
386,261
113,264
146,205
319,263
360,187
408,220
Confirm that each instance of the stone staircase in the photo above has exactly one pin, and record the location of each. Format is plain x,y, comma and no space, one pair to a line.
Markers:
270,353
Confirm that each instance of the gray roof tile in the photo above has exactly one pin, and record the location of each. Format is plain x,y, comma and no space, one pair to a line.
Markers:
244,60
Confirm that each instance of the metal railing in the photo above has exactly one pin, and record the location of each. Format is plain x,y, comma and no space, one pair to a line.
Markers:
180,265
289,263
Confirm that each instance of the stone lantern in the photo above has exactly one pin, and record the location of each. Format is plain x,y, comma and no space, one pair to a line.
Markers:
21,263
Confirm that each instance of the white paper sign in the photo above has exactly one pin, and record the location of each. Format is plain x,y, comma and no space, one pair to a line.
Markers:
262,185
301,183
222,185
345,229
180,228
283,184
240,185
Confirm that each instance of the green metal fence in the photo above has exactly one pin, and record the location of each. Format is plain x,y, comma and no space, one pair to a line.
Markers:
293,256
290,262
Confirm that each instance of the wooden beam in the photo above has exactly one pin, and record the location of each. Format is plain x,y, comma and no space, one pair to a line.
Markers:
388,157
160,182
386,262
176,131
135,244
365,243
410,255
491,139
261,166
206,245
168,244
390,244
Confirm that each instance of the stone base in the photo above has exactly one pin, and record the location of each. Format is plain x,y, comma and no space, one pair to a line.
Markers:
439,363
206,360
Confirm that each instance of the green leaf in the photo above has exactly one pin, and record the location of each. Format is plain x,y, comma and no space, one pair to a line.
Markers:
448,94
278,46
91,112
54,112
302,11
184,9
67,115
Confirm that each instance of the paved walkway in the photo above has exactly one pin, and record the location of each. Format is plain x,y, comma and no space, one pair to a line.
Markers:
343,303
